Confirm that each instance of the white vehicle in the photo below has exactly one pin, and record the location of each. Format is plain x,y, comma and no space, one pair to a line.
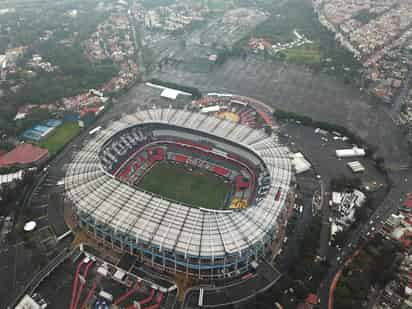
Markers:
95,130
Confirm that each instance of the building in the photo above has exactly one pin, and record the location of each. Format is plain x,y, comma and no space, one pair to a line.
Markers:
346,204
348,153
170,236
24,155
210,109
41,131
356,167
28,303
8,178
300,163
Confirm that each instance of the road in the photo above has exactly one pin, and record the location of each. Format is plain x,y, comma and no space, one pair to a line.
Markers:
137,35
36,280
325,230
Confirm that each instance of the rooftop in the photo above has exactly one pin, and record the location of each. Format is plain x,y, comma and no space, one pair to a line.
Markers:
23,154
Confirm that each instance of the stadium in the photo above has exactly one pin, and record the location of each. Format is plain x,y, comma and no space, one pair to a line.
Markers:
185,192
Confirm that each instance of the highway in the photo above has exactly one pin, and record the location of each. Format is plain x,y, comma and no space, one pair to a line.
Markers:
138,45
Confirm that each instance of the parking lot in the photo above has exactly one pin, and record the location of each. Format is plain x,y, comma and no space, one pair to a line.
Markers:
320,151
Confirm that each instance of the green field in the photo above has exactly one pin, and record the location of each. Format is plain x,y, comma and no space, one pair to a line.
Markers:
60,137
306,54
325,53
198,188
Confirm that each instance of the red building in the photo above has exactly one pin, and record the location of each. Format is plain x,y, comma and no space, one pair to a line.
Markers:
24,155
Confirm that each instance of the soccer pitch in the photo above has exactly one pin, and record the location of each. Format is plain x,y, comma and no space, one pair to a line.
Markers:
197,188
60,137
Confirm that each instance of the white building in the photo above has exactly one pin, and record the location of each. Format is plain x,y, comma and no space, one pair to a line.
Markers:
27,303
7,178
300,163
356,167
346,204
348,153
3,61
210,109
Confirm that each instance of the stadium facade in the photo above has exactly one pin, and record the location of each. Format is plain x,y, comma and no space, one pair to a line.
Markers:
168,235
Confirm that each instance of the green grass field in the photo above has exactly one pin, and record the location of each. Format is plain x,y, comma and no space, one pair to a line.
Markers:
307,54
197,188
60,137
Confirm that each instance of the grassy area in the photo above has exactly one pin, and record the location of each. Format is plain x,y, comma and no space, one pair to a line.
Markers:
60,137
306,54
325,53
198,188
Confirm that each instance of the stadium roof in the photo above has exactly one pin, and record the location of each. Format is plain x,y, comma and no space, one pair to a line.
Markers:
23,154
408,202
169,225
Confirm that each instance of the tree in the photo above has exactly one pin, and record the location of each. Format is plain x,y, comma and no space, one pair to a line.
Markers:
361,214
182,43
404,108
339,239
380,163
343,183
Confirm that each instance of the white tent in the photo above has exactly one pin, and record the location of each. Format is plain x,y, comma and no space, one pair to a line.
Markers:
300,163
170,94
